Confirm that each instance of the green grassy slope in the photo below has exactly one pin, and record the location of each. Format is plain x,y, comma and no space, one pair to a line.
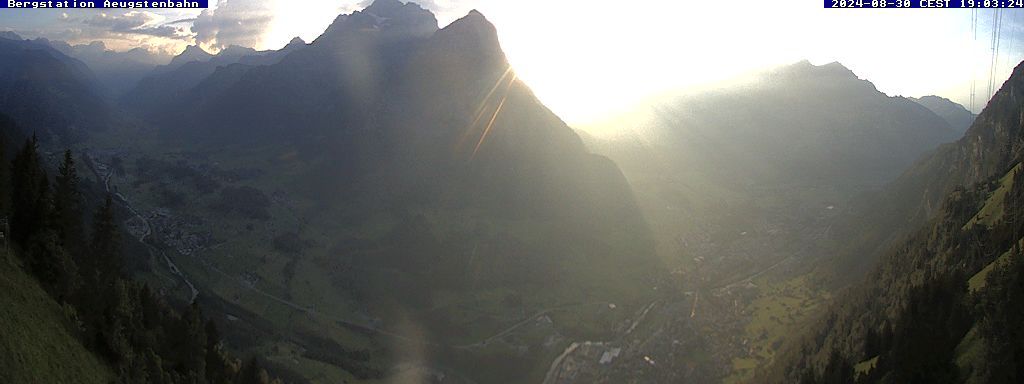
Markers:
992,211
969,355
35,344
978,281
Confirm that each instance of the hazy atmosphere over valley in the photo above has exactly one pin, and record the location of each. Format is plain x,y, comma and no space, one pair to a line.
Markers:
484,191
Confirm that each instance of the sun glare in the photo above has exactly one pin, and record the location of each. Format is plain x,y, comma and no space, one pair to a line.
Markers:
594,62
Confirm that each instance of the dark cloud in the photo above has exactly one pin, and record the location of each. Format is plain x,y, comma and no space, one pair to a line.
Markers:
133,22
98,25
180,21
233,22
127,21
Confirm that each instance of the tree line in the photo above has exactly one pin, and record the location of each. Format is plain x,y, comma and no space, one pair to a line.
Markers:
916,317
80,264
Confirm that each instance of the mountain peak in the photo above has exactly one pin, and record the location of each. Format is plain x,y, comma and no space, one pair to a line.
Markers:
838,68
10,35
384,7
390,19
296,41
472,33
193,49
805,69
235,50
394,9
476,18
476,22
958,117
190,54
193,52
468,48
939,100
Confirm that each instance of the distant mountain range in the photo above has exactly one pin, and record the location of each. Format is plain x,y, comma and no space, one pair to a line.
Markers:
955,114
164,87
939,303
801,124
781,148
118,72
49,93
115,71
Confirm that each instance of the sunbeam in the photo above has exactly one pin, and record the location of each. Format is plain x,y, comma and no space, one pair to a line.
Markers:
489,125
480,109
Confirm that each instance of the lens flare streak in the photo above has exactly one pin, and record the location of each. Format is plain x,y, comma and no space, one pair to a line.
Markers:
494,117
483,104
491,123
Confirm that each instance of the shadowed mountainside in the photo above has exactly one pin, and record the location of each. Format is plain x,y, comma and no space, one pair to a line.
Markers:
55,96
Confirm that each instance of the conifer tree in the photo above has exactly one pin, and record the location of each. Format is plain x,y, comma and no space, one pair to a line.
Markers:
191,339
67,204
55,270
105,249
252,373
28,201
5,178
218,369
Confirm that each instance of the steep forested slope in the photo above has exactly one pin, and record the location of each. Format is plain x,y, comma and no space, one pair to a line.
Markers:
987,150
766,172
939,306
799,124
71,312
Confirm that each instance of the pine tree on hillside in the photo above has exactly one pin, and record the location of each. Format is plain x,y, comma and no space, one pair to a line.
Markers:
105,250
837,371
192,340
28,202
5,178
113,335
67,206
53,266
100,268
1002,308
142,338
218,365
253,373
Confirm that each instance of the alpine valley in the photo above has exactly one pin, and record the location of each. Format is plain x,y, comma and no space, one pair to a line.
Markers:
391,203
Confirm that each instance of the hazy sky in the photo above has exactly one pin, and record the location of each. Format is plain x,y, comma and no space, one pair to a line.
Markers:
588,60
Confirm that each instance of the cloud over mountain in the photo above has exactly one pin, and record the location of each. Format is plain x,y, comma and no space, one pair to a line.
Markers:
119,30
138,22
233,22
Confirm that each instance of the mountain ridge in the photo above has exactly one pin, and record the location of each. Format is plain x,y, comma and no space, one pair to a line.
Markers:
53,95
920,281
955,114
422,179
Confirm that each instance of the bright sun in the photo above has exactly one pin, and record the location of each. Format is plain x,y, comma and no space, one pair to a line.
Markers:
589,61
